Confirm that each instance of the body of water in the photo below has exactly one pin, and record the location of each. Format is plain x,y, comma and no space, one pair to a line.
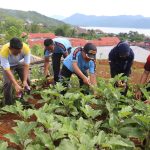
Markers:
118,30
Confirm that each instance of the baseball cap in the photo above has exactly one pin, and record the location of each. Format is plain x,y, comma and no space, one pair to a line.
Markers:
124,49
90,50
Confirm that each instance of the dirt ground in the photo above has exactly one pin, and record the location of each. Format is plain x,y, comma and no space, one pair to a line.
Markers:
103,70
7,121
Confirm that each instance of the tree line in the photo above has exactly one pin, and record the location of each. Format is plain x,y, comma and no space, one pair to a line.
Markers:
12,27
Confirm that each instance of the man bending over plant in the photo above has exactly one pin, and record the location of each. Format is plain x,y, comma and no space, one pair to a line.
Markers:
11,55
58,47
120,59
78,62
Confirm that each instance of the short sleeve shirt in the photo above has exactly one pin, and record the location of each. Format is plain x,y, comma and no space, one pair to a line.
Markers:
76,56
61,46
7,59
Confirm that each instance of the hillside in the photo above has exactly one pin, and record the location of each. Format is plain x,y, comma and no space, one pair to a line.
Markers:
124,21
29,16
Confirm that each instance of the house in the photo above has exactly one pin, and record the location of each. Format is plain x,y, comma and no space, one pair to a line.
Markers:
38,38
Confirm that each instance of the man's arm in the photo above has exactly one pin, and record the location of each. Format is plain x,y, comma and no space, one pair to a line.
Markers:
46,66
143,80
13,80
25,74
144,77
128,68
93,79
79,73
65,54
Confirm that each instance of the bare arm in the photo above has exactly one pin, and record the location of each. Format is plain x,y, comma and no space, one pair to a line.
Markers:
13,80
46,66
25,72
144,77
78,71
143,80
93,79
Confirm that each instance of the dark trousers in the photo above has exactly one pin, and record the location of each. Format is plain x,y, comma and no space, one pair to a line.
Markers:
56,61
66,74
7,87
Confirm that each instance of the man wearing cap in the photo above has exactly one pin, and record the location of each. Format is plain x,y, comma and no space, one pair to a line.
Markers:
78,62
120,59
10,56
57,47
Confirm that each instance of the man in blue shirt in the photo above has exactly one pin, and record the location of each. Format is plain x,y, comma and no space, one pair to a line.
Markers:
78,62
57,47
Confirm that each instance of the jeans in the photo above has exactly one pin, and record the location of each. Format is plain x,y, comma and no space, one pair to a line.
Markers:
7,86
56,60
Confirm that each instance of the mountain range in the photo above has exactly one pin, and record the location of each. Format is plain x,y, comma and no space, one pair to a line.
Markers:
122,21
28,16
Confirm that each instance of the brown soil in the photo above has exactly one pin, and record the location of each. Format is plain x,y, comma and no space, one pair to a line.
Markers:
6,124
103,70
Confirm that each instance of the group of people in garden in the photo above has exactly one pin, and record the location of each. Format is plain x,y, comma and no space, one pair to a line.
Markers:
80,61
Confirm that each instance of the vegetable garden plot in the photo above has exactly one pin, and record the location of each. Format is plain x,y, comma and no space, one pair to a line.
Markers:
70,122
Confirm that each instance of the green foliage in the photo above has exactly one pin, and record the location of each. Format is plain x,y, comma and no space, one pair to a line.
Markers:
65,30
132,36
37,50
77,121
3,145
22,133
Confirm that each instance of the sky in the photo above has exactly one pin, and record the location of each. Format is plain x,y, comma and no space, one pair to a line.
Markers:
67,8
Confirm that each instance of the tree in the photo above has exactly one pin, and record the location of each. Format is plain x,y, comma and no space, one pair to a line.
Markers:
65,30
12,32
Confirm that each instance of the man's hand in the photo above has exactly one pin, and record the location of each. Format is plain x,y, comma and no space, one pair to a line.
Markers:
147,102
87,81
138,94
18,88
25,84
121,83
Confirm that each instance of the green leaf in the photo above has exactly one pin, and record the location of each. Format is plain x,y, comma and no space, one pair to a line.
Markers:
35,147
131,132
100,139
113,120
125,111
66,145
13,138
3,145
44,138
118,141
90,112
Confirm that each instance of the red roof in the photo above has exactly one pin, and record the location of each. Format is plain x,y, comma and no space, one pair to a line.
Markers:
37,42
105,41
38,38
41,35
77,42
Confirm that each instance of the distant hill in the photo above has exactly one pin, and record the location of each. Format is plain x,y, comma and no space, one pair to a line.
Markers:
124,21
29,16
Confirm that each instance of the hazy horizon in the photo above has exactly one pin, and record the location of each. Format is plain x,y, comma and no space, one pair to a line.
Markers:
67,8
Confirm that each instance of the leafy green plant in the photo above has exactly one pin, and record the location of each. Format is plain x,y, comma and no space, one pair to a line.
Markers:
3,145
22,135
